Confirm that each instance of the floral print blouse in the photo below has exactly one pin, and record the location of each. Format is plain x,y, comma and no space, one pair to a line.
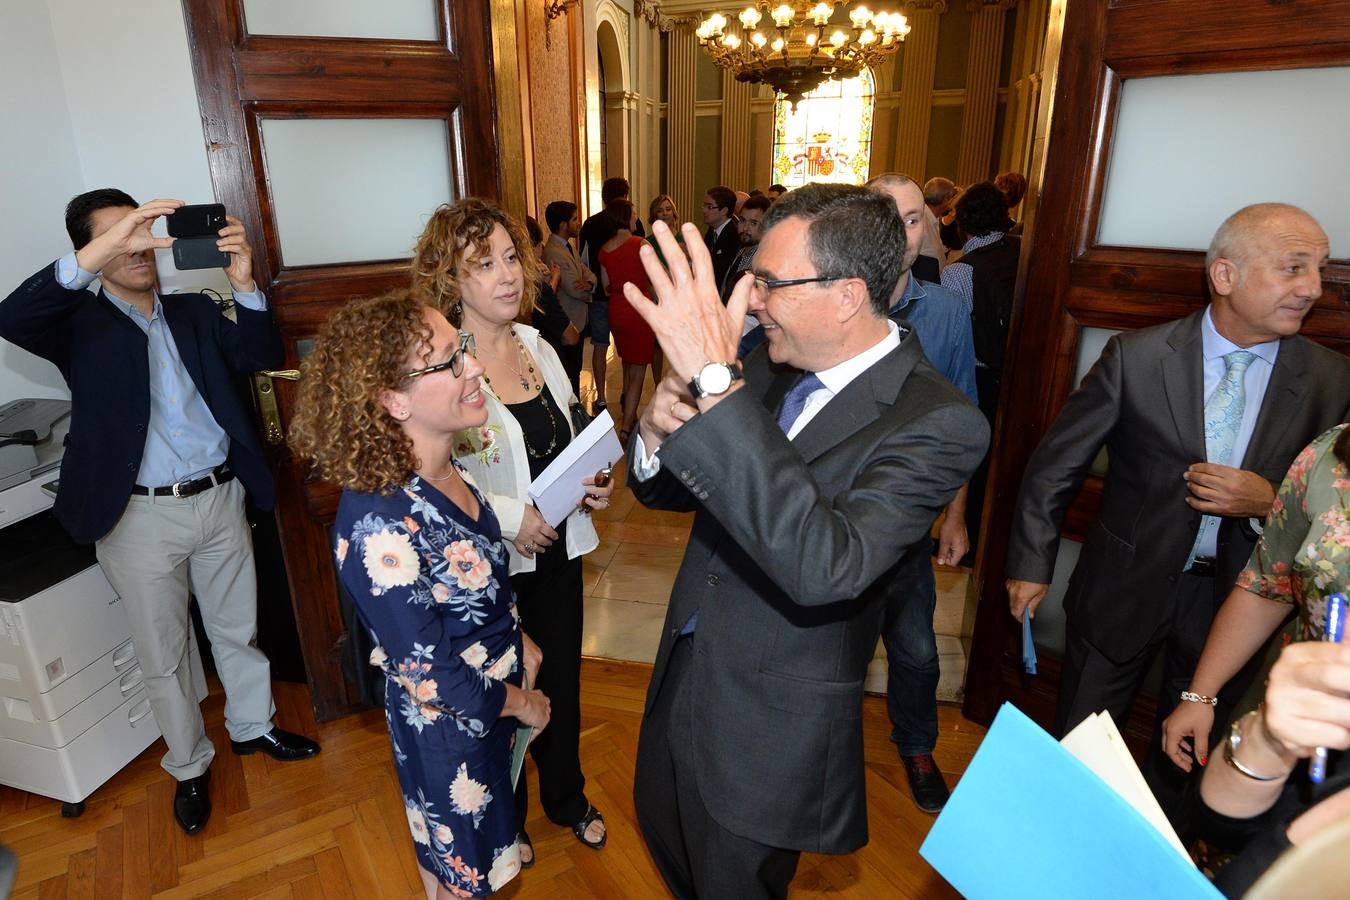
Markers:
431,586
1304,553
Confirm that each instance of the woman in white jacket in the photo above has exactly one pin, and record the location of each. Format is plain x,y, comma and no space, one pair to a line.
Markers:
478,266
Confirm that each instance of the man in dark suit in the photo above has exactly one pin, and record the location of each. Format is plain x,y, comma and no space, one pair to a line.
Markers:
160,453
722,238
1200,417
815,478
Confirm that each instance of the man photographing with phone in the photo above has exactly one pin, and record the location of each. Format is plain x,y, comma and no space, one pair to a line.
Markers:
161,451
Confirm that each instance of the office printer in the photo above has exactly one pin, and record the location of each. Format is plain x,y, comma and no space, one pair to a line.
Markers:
73,706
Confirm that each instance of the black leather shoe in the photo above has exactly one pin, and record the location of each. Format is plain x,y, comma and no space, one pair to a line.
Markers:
277,744
925,782
192,803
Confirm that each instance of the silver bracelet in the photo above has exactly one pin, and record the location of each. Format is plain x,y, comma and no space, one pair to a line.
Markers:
1193,697
1230,749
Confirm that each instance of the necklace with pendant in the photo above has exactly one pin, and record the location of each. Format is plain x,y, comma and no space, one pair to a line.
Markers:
526,381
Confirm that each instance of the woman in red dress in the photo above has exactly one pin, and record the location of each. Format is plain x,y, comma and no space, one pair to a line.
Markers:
619,265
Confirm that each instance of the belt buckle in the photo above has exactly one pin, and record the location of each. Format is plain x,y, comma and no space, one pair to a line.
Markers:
176,489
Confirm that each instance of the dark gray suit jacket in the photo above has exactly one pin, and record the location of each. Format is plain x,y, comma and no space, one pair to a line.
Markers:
1144,400
789,565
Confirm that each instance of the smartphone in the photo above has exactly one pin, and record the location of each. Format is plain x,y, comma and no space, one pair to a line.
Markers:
196,220
199,253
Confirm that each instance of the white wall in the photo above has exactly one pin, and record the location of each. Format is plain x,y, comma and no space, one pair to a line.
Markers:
96,94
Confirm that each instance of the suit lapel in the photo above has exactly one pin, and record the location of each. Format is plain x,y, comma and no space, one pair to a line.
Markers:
857,405
1184,384
1284,392
185,339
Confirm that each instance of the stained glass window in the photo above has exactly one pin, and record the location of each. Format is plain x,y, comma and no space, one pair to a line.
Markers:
828,137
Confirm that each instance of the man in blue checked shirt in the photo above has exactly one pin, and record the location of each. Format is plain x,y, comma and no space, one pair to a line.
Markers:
161,451
942,323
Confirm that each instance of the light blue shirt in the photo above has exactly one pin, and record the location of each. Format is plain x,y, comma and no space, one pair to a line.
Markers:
1254,383
183,440
943,325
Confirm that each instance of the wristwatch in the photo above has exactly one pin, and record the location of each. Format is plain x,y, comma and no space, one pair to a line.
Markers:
714,379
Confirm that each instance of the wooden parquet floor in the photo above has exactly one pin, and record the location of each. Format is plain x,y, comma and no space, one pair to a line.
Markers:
334,827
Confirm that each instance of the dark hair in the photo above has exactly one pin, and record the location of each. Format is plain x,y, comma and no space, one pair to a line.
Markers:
81,208
724,197
757,201
1342,446
535,232
779,188
756,192
621,213
982,209
1013,185
558,212
853,233
615,188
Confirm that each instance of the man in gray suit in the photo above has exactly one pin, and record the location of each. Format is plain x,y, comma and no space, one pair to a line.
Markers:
815,477
1200,417
563,219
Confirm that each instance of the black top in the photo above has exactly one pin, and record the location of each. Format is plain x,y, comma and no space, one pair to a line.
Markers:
546,432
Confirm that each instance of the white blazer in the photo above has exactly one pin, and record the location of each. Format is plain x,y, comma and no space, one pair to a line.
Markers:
494,453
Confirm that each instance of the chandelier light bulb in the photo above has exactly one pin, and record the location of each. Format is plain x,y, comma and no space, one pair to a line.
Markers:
838,39
860,16
811,39
777,45
867,37
758,39
717,22
749,17
821,13
731,41
782,15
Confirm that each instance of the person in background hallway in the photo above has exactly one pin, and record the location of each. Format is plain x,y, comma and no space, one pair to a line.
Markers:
662,209
1014,188
814,480
985,277
576,284
721,238
476,262
752,217
549,318
161,451
741,197
941,322
621,264
1201,418
940,194
1302,557
389,384
594,232
775,191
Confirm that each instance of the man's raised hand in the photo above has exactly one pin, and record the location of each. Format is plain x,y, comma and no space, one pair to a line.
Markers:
130,234
234,242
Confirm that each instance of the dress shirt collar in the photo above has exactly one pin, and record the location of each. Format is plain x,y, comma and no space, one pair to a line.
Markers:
133,311
1217,346
913,291
983,240
718,229
837,377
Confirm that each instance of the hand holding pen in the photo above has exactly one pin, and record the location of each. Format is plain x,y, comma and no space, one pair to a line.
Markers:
1332,632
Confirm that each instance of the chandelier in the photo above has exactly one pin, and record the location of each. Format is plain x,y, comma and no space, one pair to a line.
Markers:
800,50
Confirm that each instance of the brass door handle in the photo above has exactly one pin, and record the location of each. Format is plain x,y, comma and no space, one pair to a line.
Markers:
273,432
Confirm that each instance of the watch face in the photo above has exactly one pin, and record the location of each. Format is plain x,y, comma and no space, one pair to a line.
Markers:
714,378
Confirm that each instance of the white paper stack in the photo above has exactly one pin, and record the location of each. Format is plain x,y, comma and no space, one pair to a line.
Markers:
558,489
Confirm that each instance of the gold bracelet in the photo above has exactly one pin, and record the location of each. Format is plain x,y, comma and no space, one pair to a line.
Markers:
1193,697
1230,749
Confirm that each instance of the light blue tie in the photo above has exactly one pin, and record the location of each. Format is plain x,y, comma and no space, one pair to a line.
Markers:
1223,421
795,401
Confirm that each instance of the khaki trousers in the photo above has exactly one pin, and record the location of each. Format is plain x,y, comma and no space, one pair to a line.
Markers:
162,549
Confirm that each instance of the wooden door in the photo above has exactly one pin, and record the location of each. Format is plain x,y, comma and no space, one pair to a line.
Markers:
276,109
1074,279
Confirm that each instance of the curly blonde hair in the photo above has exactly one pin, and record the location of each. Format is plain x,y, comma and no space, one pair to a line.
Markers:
460,231
340,425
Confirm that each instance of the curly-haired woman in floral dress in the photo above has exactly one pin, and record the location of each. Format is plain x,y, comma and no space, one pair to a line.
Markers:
1302,558
382,395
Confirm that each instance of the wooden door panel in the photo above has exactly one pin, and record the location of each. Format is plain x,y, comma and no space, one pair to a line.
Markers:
243,80
1069,281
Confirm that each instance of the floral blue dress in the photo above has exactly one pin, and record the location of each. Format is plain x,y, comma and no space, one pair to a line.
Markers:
431,585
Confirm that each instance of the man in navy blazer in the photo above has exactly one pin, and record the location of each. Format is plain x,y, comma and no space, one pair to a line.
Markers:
161,451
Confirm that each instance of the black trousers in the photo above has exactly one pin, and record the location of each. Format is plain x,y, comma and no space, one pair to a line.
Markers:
695,855
550,606
571,359
1092,682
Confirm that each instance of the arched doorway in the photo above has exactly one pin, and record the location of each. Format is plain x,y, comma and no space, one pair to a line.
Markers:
614,94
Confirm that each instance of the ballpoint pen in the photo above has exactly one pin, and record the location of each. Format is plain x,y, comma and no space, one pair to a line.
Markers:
1332,632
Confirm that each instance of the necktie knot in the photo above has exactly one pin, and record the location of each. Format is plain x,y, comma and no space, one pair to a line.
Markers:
795,401
1238,360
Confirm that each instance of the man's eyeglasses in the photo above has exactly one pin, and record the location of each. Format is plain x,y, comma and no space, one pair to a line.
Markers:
772,284
455,363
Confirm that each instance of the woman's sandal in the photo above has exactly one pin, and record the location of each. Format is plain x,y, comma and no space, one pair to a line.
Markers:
592,816
523,840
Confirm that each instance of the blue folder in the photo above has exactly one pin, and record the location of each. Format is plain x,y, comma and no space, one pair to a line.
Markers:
1029,820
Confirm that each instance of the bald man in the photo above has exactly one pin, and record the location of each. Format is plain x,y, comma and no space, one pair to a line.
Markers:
1201,417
